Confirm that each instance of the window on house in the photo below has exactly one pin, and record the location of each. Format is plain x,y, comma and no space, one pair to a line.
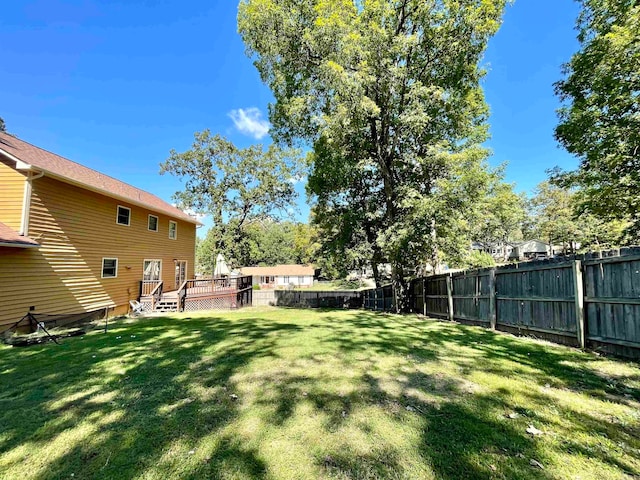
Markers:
109,267
285,279
300,280
153,223
124,216
173,230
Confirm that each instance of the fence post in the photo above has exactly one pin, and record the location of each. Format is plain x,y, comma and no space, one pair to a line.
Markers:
579,299
493,311
424,295
450,295
384,302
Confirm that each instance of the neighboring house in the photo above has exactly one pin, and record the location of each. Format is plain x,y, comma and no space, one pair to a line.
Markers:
73,240
524,250
498,250
281,276
531,250
366,272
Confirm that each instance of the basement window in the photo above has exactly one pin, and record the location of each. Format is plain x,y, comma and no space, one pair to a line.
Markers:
109,267
124,216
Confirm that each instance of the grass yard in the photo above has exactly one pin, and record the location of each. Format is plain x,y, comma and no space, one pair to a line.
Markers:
285,393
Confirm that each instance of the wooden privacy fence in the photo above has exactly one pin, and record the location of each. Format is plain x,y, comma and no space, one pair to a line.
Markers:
590,300
380,298
318,299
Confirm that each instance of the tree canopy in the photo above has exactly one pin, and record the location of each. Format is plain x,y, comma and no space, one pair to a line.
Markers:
387,94
501,215
235,186
600,118
554,218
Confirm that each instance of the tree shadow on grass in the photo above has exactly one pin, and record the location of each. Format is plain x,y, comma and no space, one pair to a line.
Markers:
424,339
458,439
140,399
158,402
461,434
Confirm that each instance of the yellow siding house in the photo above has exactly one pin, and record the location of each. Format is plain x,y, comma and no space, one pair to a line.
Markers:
74,240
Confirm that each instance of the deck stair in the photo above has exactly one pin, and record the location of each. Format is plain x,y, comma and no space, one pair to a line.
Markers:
196,294
167,303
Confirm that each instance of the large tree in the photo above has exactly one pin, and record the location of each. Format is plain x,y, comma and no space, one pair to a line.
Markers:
387,94
600,118
235,186
552,211
501,215
555,218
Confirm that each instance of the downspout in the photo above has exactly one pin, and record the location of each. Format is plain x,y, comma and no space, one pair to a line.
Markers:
26,202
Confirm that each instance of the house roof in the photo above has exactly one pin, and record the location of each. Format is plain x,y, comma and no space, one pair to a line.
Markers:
10,238
68,171
279,270
532,245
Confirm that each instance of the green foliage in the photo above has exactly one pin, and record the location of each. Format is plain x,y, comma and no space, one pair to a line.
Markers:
306,246
264,243
477,259
387,93
600,119
552,209
556,219
235,186
501,215
3,127
270,243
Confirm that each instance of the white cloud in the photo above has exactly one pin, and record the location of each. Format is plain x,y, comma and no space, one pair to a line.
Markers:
192,213
298,179
250,122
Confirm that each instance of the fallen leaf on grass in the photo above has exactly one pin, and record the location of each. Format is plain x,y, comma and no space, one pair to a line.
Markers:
534,431
535,463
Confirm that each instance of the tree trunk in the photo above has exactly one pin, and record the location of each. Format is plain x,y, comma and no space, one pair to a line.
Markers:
400,289
376,272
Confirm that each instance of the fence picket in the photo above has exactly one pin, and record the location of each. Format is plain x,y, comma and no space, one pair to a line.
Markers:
594,301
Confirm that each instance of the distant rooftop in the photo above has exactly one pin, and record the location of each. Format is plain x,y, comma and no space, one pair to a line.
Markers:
279,270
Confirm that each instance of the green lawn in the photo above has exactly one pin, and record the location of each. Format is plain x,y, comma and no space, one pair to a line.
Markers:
284,393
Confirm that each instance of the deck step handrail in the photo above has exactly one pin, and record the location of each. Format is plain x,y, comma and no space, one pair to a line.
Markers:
147,287
156,295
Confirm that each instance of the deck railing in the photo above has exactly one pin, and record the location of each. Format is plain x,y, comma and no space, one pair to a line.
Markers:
151,292
205,286
211,286
147,287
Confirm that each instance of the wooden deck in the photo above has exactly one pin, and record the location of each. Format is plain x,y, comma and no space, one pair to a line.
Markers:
197,294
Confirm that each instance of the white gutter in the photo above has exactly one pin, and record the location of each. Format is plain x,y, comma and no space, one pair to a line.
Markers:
26,201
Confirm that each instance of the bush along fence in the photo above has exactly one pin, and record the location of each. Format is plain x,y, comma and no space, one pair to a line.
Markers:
590,300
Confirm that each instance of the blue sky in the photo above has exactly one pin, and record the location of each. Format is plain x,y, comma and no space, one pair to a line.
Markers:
115,85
